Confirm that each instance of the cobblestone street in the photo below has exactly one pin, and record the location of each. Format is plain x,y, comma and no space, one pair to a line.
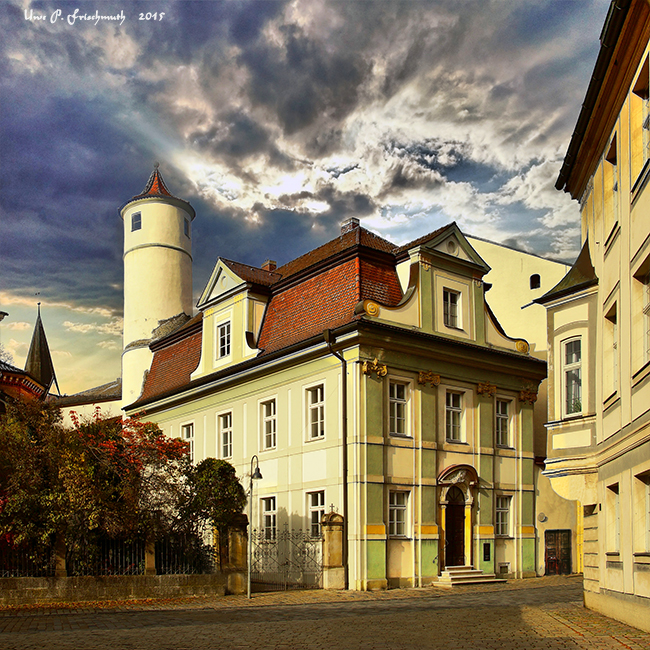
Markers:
538,614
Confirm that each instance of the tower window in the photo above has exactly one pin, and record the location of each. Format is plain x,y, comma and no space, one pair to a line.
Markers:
136,221
535,281
187,227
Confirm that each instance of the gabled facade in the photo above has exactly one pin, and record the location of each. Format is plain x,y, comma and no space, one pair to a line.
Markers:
599,325
372,379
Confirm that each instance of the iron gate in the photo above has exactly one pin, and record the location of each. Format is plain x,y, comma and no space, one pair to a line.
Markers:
290,559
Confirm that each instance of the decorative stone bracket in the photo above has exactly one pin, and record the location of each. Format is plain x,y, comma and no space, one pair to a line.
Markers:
368,367
487,389
429,378
528,395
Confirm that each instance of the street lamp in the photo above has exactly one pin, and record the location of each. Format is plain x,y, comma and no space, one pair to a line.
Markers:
256,474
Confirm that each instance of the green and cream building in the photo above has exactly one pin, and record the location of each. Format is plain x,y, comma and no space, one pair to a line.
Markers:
366,377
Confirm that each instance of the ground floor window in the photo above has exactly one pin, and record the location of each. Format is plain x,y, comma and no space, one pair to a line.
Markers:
503,516
316,503
397,512
269,517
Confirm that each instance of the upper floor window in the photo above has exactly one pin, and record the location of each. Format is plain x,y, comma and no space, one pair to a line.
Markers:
269,424
136,221
503,423
187,227
535,281
451,303
397,408
453,416
573,376
639,124
269,517
397,511
610,376
225,434
223,339
187,434
316,412
316,504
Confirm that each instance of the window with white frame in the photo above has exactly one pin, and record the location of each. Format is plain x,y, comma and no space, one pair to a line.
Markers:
398,393
187,434
223,339
451,307
315,412
225,434
503,516
269,517
397,513
573,376
269,424
316,505
453,416
136,221
503,423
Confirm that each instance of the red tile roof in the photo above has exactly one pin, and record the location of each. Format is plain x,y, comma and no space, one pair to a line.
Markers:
155,185
172,365
325,286
252,273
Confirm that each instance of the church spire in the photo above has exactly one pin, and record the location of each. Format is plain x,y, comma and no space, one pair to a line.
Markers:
39,360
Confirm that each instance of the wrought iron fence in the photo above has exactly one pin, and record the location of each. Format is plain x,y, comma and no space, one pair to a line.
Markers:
290,559
26,560
106,557
185,554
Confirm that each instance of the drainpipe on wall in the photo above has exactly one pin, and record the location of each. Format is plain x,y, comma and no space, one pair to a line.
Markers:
330,339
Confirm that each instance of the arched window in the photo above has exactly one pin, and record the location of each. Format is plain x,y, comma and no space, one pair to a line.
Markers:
535,281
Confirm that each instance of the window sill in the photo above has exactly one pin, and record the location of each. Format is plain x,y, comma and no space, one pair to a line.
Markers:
316,439
611,401
505,447
640,181
401,436
613,553
642,554
456,442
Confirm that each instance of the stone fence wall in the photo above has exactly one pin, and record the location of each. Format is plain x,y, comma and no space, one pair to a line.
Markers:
231,579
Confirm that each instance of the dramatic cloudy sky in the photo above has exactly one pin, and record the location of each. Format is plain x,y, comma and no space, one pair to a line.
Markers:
276,120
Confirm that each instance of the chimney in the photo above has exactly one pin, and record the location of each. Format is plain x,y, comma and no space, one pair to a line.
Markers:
349,225
270,265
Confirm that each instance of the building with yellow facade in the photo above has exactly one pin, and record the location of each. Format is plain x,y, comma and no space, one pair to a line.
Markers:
599,325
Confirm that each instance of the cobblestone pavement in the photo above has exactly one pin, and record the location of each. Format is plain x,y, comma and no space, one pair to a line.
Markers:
535,614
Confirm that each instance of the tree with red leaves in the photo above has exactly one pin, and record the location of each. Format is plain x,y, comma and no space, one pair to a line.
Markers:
103,476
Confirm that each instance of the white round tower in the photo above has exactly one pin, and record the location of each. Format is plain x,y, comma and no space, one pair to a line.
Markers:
157,274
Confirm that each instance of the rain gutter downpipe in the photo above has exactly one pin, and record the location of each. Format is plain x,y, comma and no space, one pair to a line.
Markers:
330,339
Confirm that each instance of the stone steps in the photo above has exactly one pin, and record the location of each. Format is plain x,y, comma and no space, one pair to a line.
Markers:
453,576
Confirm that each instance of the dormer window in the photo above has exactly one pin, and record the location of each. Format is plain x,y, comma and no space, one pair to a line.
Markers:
136,221
451,301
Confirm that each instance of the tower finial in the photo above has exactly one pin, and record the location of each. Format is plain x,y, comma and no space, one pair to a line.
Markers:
156,165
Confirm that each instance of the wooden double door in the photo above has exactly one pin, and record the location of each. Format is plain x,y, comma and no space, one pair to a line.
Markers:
557,554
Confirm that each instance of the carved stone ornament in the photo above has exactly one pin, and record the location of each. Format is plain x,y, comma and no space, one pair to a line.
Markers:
458,477
487,389
368,367
429,378
372,308
522,346
528,395
425,265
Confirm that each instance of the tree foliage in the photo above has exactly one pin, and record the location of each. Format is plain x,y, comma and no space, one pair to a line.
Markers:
215,495
103,477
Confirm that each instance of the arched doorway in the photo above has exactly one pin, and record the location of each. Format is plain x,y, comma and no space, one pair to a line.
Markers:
455,528
457,484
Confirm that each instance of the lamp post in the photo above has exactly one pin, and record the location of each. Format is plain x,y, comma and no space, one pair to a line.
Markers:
256,474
